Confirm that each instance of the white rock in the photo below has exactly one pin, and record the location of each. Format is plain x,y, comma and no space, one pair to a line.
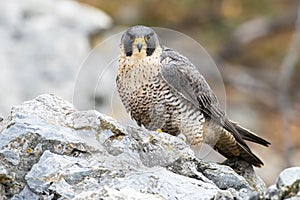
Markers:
288,177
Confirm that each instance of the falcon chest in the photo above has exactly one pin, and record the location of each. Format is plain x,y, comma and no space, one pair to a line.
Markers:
140,86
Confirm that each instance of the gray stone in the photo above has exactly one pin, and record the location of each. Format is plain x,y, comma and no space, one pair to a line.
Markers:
26,193
245,170
110,193
288,183
288,177
50,150
10,156
222,176
272,193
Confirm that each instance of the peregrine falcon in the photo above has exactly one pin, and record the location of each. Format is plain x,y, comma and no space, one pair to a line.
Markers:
161,89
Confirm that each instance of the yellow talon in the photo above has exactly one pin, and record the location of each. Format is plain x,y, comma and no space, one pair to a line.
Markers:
159,130
29,150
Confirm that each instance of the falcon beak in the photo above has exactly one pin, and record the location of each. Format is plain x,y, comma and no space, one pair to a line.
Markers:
139,43
139,46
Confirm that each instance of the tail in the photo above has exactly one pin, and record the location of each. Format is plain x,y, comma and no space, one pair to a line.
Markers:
250,136
238,147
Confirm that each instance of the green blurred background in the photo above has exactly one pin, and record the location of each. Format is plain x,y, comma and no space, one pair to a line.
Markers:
255,44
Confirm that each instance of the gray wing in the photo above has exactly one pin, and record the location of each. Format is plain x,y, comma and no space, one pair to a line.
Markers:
182,75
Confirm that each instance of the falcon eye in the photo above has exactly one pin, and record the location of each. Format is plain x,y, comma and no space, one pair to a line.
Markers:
130,37
147,37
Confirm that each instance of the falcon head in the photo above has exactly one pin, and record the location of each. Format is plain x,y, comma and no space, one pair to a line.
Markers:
140,41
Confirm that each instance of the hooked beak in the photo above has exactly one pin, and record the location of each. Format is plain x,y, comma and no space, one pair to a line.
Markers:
139,42
139,46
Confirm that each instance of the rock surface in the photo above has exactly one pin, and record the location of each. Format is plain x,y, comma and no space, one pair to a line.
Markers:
50,150
287,185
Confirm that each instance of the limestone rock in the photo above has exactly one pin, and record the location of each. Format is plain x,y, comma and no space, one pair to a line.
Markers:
50,150
287,185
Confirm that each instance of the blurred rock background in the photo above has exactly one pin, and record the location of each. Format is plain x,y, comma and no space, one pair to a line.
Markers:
255,44
42,46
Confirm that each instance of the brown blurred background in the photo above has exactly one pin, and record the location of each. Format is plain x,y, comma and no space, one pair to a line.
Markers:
256,46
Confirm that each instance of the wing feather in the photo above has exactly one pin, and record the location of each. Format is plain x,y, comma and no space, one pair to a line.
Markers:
184,77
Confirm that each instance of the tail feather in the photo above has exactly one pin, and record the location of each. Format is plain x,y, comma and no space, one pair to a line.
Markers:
240,134
250,136
230,147
250,157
